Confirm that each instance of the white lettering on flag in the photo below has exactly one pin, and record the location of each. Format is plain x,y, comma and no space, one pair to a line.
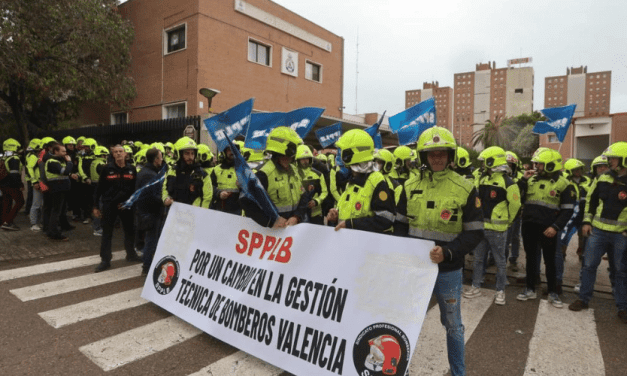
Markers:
559,124
426,118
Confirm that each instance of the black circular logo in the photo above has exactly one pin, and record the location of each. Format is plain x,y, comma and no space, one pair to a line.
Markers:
381,349
166,274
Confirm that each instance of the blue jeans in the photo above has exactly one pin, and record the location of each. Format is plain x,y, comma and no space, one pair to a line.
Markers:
493,241
513,239
448,292
150,245
36,207
615,244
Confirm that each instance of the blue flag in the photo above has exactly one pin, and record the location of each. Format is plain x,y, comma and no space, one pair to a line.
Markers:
328,135
558,121
250,186
229,123
301,120
572,226
420,115
373,131
155,184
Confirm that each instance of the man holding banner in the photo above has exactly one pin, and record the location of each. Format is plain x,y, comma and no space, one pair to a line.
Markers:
280,179
444,207
367,203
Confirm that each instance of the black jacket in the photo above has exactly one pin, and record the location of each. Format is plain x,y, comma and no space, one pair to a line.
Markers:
149,203
116,184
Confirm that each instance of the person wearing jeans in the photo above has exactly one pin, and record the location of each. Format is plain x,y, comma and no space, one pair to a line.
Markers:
605,221
443,206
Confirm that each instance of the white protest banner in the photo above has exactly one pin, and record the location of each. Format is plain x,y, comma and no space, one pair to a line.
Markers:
307,299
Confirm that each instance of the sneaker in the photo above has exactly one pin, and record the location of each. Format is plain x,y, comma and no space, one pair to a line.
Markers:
577,288
499,298
526,295
578,305
35,228
555,300
98,232
102,267
10,226
86,221
473,292
622,315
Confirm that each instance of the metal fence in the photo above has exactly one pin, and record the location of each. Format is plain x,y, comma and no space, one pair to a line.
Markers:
145,131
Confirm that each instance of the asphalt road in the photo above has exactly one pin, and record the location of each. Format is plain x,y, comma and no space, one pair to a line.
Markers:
44,331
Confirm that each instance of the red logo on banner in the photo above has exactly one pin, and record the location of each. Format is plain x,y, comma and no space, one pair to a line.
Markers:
445,215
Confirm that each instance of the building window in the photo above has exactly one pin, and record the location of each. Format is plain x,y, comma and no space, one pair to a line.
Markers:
259,53
518,91
313,71
177,110
553,138
175,39
119,118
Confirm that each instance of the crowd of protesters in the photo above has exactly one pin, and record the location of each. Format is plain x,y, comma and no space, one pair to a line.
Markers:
431,192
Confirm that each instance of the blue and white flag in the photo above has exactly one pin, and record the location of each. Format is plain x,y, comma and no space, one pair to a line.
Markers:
411,133
572,226
155,184
328,135
421,115
558,121
301,120
250,186
229,123
373,131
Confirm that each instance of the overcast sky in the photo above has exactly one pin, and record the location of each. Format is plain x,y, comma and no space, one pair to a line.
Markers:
405,43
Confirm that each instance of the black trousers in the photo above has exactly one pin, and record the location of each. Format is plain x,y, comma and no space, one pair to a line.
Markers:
29,198
57,214
110,213
536,243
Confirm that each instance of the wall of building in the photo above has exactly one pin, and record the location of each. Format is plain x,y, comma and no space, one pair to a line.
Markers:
517,102
577,93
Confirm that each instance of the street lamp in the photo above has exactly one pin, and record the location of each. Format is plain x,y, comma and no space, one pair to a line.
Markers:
209,94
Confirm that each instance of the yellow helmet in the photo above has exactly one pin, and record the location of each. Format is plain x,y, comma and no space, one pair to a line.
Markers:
69,140
551,158
140,157
128,149
101,151
357,146
252,155
46,140
617,150
34,144
436,138
493,156
154,145
573,164
90,143
283,140
204,153
385,156
601,160
11,144
462,158
303,151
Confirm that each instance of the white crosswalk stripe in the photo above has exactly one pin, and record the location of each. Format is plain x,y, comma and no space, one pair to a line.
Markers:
48,289
239,363
564,343
28,271
430,356
138,343
92,309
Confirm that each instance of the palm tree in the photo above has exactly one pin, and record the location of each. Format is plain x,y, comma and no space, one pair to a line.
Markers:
499,132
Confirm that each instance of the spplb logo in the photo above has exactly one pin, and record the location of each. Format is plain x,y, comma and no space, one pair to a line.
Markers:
165,275
381,349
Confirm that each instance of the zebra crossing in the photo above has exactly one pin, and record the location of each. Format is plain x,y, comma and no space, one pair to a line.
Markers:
563,342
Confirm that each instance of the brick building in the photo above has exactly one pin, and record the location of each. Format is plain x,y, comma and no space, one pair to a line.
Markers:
443,101
489,93
593,128
244,49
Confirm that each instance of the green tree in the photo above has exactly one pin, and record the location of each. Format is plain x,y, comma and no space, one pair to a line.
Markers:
526,142
57,55
495,133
